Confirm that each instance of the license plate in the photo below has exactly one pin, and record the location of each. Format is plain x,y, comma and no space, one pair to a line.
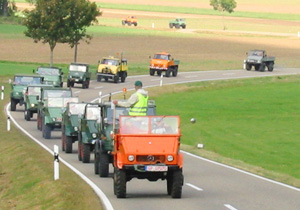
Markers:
156,168
76,80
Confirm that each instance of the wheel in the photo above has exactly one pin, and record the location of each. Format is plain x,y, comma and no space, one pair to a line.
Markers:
106,79
262,67
183,26
68,144
158,72
135,24
96,161
170,25
84,85
47,131
177,26
99,78
68,83
175,72
13,105
88,83
151,72
257,67
103,164
63,139
168,72
248,67
116,78
27,114
270,66
86,153
38,124
177,183
169,184
129,23
72,84
79,150
123,22
123,76
120,183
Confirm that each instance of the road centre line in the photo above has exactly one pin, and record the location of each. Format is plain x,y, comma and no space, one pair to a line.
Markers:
77,92
193,186
229,207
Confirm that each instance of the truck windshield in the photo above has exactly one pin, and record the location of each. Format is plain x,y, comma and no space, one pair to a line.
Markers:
25,80
55,102
256,53
93,113
77,108
34,91
57,93
110,62
79,68
161,56
48,71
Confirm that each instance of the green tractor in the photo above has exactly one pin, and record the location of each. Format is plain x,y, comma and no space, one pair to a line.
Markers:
104,144
79,73
70,125
49,113
18,87
52,75
177,23
32,95
88,131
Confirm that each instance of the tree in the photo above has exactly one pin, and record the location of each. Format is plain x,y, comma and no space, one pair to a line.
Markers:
223,6
54,21
82,14
7,8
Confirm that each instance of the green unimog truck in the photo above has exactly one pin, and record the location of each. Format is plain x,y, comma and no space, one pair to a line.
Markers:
79,73
177,23
88,133
70,124
104,144
32,95
52,75
260,60
18,87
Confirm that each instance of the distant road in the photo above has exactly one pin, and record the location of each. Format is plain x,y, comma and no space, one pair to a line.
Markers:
208,185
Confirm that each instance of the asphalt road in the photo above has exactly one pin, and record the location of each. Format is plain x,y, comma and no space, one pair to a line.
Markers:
208,185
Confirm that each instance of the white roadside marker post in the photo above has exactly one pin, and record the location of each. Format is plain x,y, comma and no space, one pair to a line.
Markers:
161,80
56,163
2,92
8,123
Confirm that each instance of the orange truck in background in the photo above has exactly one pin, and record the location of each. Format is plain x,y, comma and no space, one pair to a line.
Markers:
163,62
147,147
130,20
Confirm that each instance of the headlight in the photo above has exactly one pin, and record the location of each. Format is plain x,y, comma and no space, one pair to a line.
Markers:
94,135
170,158
130,158
54,119
32,105
75,128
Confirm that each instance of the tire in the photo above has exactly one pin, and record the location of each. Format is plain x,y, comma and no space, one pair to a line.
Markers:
99,78
120,183
135,24
86,153
175,72
257,67
123,22
63,139
270,66
123,76
79,150
38,124
248,67
103,164
96,159
68,83
13,105
262,67
84,85
170,25
106,79
47,131
168,72
169,183
116,78
177,26
151,72
68,144
88,83
177,183
183,26
27,114
129,23
158,72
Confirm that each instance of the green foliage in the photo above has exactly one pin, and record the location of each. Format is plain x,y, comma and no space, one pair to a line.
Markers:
223,5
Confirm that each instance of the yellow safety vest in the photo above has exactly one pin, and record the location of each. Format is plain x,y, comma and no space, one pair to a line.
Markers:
140,107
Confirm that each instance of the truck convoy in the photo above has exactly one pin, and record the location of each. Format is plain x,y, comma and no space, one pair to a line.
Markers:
260,60
52,75
163,62
79,73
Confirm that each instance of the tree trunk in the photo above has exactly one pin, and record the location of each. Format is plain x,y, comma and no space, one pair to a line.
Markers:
75,53
52,46
4,8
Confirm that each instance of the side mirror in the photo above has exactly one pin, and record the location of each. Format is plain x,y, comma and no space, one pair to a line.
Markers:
193,120
9,81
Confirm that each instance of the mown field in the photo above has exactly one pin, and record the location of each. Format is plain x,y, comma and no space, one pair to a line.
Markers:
250,124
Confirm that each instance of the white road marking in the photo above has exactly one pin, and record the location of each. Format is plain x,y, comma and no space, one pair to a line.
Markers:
229,207
98,87
77,92
193,186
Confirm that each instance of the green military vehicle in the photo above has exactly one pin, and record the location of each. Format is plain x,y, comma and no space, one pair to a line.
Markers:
177,23
52,75
49,113
112,68
88,131
70,125
32,95
260,60
104,144
79,73
18,87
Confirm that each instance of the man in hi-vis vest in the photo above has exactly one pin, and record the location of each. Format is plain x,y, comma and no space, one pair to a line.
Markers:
138,102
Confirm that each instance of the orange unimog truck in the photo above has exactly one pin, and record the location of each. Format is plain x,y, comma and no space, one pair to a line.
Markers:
147,147
130,20
163,62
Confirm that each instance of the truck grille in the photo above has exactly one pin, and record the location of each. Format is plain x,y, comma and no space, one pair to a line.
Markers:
151,158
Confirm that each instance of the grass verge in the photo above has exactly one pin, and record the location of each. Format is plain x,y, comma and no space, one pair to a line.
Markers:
26,174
